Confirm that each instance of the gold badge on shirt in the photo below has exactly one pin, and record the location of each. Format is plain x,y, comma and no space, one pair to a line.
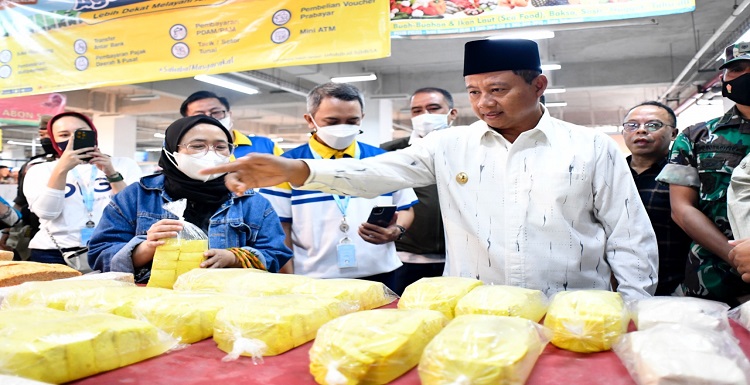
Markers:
462,178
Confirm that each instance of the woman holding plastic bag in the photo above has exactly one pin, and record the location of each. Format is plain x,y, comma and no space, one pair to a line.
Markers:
240,229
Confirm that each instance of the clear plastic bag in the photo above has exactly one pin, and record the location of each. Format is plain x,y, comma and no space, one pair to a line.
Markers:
372,346
438,293
678,354
358,294
696,312
178,255
113,300
483,350
502,300
53,294
586,321
211,280
741,314
270,326
58,347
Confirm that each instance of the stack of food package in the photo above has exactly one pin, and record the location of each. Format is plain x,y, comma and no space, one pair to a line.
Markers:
682,340
174,258
188,317
586,321
372,346
269,326
504,300
53,294
483,349
439,293
212,280
54,346
357,294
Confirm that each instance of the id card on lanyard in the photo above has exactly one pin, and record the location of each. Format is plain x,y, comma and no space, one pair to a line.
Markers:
87,192
345,251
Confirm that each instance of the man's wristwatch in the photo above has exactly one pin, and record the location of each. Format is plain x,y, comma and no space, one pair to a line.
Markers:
116,177
402,229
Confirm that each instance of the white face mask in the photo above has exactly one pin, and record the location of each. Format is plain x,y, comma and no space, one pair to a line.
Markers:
226,122
426,123
191,165
339,136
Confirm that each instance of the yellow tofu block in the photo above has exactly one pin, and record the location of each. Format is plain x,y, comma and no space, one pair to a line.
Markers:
113,300
63,347
438,293
482,350
504,301
277,324
586,321
52,294
196,246
373,346
261,285
188,317
161,278
192,256
174,258
164,263
359,293
211,280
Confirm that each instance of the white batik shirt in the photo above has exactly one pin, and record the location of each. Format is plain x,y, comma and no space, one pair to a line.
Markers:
555,210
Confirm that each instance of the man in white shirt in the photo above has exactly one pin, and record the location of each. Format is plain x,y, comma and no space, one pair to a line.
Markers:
527,200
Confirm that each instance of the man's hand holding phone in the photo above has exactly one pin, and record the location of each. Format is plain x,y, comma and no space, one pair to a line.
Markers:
380,227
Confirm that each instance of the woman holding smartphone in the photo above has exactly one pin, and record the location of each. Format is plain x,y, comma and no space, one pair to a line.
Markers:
69,194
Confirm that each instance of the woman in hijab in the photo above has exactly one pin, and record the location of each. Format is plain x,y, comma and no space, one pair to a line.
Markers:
69,194
135,223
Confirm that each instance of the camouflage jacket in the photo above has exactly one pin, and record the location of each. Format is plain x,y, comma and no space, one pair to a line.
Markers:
704,156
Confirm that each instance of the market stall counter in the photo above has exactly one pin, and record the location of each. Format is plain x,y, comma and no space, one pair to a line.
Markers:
201,364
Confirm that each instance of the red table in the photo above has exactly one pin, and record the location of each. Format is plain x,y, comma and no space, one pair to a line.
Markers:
200,364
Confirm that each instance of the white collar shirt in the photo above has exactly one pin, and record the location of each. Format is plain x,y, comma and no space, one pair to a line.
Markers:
555,210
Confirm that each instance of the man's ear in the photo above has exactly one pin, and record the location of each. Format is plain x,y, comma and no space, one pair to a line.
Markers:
675,131
309,120
540,84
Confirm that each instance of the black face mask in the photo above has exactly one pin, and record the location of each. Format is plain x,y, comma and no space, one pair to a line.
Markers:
47,146
62,145
737,90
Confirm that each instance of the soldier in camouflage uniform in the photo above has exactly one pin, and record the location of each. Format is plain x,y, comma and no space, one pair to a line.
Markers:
699,172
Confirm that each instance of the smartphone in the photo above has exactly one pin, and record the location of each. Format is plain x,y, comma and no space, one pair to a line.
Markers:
381,215
83,139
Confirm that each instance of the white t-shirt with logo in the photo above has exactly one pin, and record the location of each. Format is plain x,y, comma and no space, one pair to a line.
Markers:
64,213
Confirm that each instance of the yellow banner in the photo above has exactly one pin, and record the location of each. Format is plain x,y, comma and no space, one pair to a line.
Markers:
51,46
432,17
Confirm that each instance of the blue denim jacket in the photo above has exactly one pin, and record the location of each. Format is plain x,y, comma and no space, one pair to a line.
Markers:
248,221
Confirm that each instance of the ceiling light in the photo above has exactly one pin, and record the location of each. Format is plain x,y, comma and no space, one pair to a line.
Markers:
391,96
530,35
554,91
140,97
550,67
152,149
226,82
271,81
159,135
30,144
555,104
354,78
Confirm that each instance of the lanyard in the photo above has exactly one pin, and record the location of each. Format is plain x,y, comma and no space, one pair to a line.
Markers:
345,204
87,191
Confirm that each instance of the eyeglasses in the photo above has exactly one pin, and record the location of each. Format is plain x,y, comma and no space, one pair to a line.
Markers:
218,114
196,148
650,126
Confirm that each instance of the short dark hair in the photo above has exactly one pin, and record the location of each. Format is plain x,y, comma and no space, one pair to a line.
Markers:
527,75
446,95
43,122
660,105
200,95
342,91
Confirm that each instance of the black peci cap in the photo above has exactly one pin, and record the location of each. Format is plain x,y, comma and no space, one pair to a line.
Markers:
481,56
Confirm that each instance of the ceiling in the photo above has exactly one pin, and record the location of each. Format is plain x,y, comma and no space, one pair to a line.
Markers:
606,68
